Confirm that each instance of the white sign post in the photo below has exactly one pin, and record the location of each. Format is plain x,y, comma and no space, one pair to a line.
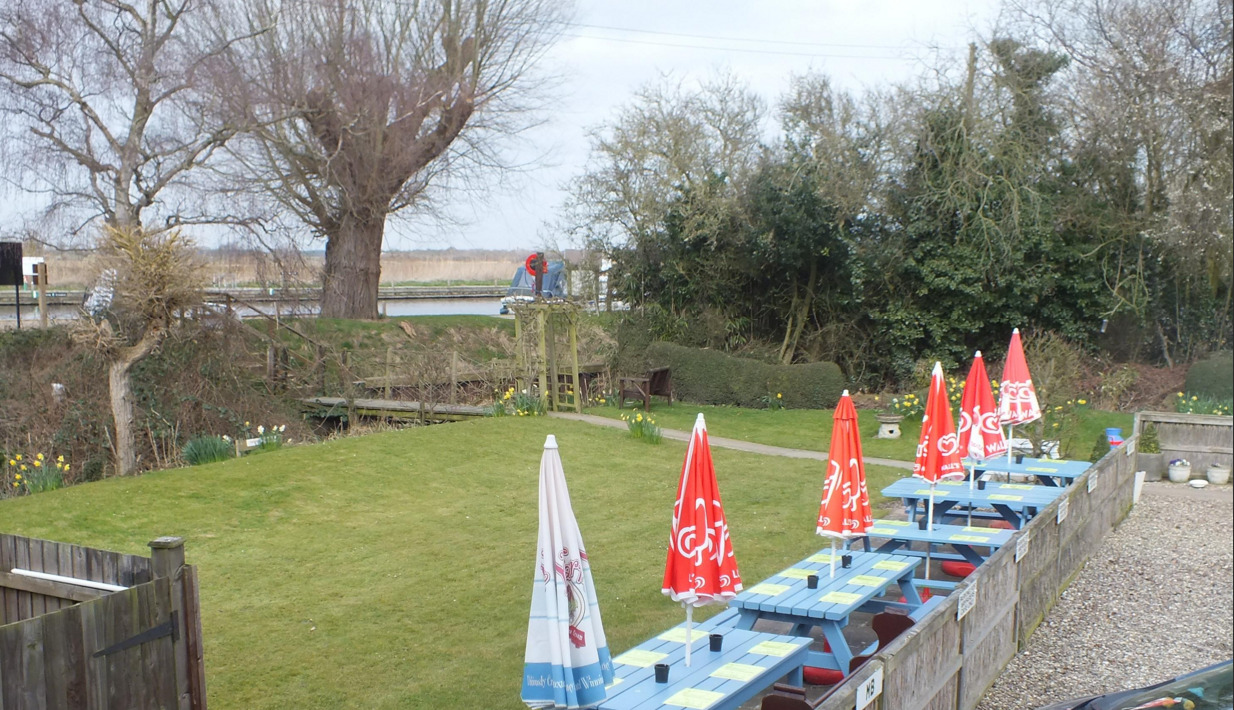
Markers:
869,691
968,599
1062,510
1021,548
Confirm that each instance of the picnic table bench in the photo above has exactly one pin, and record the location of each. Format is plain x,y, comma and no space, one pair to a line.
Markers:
901,534
1049,472
749,663
657,382
1014,502
786,597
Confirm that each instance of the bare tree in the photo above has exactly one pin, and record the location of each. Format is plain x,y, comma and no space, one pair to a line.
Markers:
353,109
102,105
155,274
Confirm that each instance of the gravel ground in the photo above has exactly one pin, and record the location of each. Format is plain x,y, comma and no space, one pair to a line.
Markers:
1155,601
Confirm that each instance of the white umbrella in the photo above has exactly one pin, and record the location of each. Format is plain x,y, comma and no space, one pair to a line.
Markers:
566,664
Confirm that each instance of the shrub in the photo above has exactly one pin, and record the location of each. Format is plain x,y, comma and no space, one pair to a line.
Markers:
1150,442
1212,378
1101,447
712,377
207,449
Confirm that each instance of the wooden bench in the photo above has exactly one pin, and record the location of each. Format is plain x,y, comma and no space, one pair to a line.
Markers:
657,382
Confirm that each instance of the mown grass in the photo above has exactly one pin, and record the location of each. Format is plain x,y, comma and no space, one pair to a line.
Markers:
810,429
394,570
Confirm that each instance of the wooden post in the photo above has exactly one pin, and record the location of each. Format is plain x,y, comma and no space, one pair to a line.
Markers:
453,377
578,388
40,280
519,350
321,369
552,359
541,321
389,356
271,365
167,560
284,366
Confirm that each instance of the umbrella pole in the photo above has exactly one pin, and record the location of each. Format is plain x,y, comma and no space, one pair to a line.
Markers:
833,558
972,476
929,528
689,621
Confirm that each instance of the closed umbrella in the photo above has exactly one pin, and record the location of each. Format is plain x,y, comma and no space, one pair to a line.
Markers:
845,511
1017,398
980,435
700,568
566,664
938,449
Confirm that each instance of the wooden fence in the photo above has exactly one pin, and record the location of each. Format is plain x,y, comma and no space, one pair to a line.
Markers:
950,658
1201,439
70,645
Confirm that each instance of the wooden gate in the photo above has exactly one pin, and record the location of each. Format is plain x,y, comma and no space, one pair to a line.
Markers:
92,629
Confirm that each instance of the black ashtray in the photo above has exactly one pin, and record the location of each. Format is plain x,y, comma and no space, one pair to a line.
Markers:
922,524
661,672
846,561
981,485
717,642
1019,458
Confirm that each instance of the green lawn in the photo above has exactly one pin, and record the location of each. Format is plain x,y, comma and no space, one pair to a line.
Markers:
810,429
395,570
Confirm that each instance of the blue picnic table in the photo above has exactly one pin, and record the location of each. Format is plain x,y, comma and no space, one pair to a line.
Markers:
1049,472
786,597
749,663
1014,502
901,534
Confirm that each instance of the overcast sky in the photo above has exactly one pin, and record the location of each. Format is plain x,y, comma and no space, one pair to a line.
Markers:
615,47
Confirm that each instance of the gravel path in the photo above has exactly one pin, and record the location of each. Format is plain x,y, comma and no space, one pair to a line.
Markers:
1155,601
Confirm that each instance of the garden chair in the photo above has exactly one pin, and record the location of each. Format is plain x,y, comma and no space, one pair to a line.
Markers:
656,382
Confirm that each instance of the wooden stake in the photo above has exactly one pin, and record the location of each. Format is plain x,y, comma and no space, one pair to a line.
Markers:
40,280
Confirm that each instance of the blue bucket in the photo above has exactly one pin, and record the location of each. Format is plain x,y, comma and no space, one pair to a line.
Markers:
1114,435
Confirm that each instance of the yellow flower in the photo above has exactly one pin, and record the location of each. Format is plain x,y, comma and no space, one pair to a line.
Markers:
23,467
60,459
19,476
39,457
19,457
12,462
1082,401
1194,398
38,463
639,418
1180,394
66,467
1055,425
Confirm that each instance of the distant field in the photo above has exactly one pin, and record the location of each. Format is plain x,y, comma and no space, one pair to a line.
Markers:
236,268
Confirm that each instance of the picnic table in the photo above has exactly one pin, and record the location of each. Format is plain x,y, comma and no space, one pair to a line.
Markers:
901,534
1049,472
1014,502
749,663
786,597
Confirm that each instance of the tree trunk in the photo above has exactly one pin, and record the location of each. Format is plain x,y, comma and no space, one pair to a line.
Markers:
122,398
353,268
803,312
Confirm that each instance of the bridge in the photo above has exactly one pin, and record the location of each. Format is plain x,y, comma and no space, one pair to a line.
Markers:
74,297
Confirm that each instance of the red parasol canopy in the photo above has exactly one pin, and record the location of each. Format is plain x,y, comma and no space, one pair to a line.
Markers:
845,510
938,449
980,435
1017,398
700,568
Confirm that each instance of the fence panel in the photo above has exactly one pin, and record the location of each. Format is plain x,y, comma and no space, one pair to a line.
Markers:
138,648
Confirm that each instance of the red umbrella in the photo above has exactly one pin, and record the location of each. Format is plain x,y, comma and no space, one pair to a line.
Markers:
1017,398
845,510
938,450
980,435
701,568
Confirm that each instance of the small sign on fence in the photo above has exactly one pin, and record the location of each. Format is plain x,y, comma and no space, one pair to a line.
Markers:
1092,481
1021,547
968,599
869,691
1062,510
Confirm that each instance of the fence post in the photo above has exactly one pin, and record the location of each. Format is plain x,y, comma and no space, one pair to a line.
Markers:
453,377
321,369
389,356
167,560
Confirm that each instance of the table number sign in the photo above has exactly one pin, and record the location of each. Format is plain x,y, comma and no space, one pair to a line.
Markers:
1092,481
869,690
779,649
968,599
743,672
1062,510
770,590
694,698
1021,548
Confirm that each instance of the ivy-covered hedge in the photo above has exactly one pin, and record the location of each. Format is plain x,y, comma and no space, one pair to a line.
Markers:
712,377
1213,378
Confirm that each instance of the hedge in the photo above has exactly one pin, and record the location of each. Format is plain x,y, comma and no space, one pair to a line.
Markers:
1212,378
712,377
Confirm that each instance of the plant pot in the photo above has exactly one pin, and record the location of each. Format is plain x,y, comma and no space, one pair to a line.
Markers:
1218,474
888,426
1179,474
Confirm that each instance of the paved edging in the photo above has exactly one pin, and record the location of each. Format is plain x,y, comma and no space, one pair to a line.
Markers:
736,444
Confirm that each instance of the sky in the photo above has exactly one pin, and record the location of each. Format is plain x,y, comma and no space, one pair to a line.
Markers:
613,48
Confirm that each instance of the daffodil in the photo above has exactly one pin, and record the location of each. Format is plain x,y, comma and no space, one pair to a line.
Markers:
66,467
18,477
261,429
60,459
1082,401
38,464
23,467
19,457
779,395
12,462
39,457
